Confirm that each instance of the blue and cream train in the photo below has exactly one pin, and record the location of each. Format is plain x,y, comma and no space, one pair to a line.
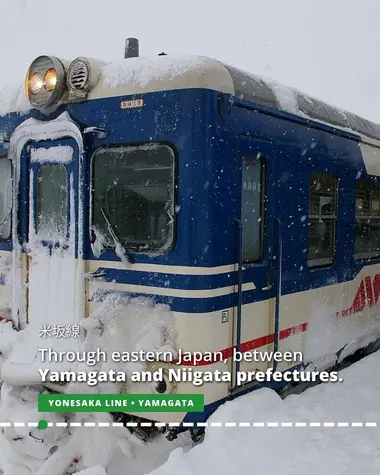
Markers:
249,208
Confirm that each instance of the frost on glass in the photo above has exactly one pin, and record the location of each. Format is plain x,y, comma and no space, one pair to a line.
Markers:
367,219
51,202
251,213
133,197
5,198
323,207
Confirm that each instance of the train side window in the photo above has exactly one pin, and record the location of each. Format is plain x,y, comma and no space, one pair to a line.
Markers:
323,213
252,212
51,202
133,197
367,219
5,198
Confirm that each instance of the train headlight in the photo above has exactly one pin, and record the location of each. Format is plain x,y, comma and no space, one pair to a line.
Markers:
36,83
50,80
45,82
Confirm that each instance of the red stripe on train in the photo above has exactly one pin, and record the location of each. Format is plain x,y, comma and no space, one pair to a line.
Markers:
246,346
368,293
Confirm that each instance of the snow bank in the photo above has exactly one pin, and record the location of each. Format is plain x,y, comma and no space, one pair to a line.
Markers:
118,324
23,449
328,336
121,323
52,310
293,450
93,471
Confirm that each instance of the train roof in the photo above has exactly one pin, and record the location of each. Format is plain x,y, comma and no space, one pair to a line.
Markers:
164,73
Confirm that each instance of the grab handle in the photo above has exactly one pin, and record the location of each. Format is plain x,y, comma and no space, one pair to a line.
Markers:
239,293
278,290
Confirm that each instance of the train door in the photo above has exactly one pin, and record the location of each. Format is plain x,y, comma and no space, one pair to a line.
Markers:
49,204
255,310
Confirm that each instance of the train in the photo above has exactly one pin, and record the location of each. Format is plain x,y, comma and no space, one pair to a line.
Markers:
247,208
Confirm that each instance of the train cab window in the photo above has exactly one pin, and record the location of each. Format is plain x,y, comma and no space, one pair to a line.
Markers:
323,211
252,208
133,197
367,219
51,202
5,198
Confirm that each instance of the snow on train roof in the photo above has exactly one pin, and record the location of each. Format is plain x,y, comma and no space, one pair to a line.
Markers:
13,99
164,73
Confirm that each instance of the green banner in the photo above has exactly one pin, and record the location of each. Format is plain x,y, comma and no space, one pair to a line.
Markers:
121,403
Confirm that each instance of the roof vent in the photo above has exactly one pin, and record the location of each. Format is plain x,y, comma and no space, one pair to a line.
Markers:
131,48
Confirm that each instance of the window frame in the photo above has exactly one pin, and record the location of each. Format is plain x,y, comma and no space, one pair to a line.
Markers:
263,202
365,255
9,238
324,261
173,150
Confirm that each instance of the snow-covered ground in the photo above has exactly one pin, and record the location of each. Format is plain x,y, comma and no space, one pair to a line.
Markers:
332,428
329,449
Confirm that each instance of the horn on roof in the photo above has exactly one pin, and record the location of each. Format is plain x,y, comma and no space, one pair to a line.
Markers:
131,48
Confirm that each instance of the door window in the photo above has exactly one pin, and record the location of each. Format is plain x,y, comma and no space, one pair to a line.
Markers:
252,213
51,202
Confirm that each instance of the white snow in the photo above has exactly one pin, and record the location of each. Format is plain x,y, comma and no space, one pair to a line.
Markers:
139,71
93,471
121,323
56,154
13,99
293,450
285,96
326,334
36,130
33,445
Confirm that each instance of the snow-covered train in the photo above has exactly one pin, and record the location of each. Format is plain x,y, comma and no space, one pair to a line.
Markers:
246,211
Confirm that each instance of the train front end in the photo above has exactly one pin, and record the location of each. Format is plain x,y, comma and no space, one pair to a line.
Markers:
103,249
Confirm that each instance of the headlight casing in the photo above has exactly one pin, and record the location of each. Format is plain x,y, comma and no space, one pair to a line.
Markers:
45,82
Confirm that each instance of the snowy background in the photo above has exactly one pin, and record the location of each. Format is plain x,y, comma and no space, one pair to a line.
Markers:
329,49
326,48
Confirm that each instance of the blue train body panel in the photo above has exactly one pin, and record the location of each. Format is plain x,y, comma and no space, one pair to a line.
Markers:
205,142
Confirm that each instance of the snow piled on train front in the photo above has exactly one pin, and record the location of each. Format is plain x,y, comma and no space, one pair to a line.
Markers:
56,297
119,323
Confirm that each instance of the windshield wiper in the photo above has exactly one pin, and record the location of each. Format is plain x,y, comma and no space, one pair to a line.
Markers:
119,249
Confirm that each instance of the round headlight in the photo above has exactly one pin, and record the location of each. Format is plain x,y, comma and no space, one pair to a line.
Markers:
35,83
50,79
45,82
